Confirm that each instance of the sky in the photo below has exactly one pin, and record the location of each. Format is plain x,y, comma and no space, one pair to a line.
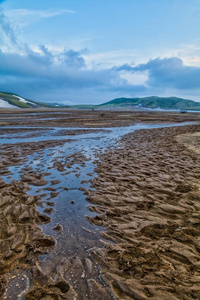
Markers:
89,51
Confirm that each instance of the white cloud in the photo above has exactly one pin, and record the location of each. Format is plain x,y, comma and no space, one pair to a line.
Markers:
167,73
8,36
47,73
109,59
189,53
17,13
24,17
139,78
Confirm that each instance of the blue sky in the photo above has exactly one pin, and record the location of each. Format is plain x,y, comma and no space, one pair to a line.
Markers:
89,51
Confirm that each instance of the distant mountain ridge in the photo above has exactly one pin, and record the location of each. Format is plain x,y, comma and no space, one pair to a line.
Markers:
153,102
11,100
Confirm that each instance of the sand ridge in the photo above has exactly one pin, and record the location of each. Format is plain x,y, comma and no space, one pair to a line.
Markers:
148,198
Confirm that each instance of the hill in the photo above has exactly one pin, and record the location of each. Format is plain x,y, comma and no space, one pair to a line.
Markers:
11,100
154,102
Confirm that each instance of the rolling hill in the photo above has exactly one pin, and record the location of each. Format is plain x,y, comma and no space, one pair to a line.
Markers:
11,100
154,102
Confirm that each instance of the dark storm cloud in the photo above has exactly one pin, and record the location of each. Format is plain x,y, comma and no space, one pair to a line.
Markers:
168,73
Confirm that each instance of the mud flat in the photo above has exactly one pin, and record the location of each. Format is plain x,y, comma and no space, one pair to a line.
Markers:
21,240
147,194
144,202
88,118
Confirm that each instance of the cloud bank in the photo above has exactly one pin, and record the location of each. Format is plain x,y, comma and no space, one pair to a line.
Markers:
168,73
46,71
64,74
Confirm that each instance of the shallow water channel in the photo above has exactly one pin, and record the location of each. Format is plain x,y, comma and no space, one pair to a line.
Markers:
68,168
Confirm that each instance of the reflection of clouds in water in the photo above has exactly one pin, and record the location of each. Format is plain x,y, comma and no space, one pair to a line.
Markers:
36,162
90,153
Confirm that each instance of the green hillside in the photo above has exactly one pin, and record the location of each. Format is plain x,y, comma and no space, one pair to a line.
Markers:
153,102
21,102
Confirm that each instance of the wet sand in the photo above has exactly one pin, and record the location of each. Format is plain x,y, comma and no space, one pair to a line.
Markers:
147,194
88,118
146,204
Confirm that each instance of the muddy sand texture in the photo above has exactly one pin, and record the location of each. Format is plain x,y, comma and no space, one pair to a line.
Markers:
21,240
11,154
88,118
147,194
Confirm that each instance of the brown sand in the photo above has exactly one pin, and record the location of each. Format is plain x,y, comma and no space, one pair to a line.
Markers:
21,240
146,196
88,118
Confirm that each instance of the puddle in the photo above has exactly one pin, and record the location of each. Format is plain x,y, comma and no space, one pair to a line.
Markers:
52,133
18,285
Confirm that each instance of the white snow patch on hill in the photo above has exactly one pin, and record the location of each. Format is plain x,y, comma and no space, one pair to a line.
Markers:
5,104
20,99
25,101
